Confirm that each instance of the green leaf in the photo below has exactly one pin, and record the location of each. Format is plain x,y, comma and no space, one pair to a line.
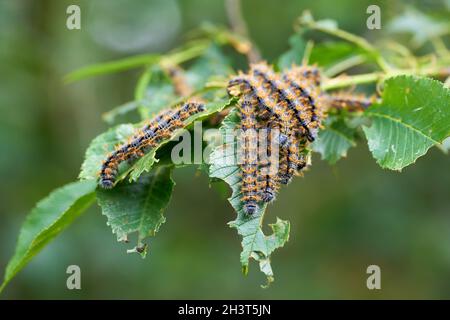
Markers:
50,216
180,55
212,64
255,244
413,116
157,95
328,53
335,139
138,207
111,67
295,54
110,116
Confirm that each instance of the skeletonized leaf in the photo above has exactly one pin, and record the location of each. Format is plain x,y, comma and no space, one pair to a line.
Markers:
255,244
50,216
413,116
139,206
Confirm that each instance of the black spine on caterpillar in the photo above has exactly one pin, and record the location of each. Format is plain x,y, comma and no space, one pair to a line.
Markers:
146,139
249,165
285,94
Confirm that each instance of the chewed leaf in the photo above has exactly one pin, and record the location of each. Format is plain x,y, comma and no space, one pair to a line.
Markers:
255,244
138,207
413,116
47,220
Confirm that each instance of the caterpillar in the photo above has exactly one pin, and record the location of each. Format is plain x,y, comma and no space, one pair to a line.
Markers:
158,129
268,181
249,167
178,77
292,161
305,82
349,101
249,164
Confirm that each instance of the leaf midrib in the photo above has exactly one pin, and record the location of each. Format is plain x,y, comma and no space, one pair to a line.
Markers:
406,125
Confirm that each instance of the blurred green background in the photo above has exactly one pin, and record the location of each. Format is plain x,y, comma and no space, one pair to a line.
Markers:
344,218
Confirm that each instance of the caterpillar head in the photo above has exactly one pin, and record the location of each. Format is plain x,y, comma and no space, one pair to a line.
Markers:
250,208
106,183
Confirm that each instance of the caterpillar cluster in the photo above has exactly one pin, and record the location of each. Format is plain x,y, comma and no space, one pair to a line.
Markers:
159,128
289,104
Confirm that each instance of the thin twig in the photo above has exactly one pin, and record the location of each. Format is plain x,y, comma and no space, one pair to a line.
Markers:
238,25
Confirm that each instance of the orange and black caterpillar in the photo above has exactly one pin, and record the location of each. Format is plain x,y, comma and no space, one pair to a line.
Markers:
268,180
158,129
349,101
249,166
305,82
292,161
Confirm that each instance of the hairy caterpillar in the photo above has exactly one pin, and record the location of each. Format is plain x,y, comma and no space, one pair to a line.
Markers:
268,181
158,129
305,82
178,77
249,166
349,101
292,161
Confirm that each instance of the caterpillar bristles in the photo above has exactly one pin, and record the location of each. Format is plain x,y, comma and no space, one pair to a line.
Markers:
159,128
348,100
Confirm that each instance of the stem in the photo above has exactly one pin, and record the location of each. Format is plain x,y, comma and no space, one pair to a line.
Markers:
186,54
238,26
440,47
347,81
345,65
307,52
